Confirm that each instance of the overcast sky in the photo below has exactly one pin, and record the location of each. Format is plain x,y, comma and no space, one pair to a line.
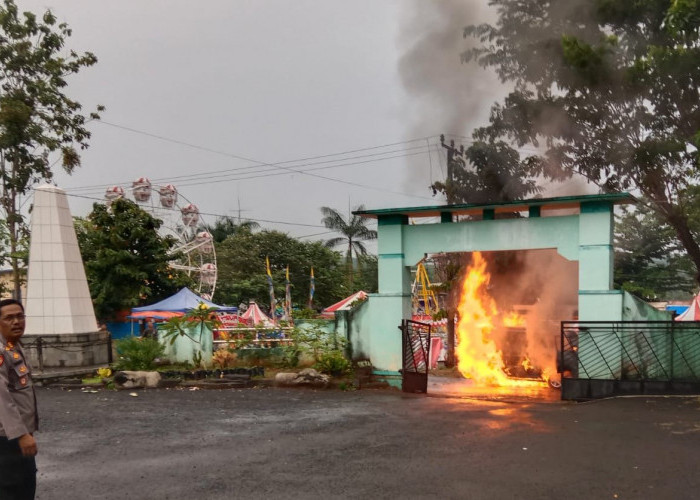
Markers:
204,95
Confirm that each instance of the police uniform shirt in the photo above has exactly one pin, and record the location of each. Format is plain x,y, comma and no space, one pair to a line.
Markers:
18,414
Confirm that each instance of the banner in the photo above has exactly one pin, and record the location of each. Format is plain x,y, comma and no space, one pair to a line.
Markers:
272,289
288,298
312,289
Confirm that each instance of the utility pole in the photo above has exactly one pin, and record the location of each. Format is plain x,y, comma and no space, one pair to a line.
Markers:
455,158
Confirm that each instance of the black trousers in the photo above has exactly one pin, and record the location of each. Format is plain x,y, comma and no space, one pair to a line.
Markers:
17,472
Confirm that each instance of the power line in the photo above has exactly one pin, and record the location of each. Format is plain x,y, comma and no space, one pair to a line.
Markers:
226,173
260,164
101,200
469,140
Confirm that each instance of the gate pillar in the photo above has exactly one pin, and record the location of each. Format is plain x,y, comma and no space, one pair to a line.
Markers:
394,297
597,298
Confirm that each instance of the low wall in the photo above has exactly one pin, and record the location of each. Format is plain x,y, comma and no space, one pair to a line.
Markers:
184,348
67,350
634,309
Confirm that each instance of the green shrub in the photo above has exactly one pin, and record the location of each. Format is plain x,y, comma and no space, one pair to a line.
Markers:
305,313
271,356
136,353
333,363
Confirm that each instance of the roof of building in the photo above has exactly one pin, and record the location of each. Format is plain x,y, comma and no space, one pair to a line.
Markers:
562,202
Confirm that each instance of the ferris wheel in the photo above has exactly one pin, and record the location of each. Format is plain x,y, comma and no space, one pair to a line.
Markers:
182,220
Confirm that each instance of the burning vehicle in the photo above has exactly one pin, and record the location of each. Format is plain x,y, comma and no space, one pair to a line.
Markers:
509,312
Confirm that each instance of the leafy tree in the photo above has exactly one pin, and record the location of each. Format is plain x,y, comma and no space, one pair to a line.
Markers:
608,89
36,117
242,273
367,278
649,261
126,260
224,227
485,172
354,231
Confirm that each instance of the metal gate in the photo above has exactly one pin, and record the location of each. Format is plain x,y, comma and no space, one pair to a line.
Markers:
599,359
415,355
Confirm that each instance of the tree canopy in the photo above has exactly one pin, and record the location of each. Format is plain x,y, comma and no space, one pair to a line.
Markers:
607,89
485,172
353,232
242,273
649,260
224,227
126,259
37,118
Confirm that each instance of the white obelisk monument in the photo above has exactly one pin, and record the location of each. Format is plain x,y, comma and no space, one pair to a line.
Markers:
58,306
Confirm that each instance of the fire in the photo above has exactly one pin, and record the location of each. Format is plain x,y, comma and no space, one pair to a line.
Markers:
478,356
514,320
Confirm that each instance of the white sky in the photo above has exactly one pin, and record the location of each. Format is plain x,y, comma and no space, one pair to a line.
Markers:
272,81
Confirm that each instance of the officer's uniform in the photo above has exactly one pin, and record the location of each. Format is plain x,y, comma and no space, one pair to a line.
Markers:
18,416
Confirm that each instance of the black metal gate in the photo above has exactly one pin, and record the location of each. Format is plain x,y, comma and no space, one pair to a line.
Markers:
599,359
416,355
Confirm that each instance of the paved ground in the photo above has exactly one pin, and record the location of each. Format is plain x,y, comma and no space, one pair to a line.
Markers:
292,444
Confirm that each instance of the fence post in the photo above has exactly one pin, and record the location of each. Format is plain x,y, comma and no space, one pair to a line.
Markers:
109,348
673,348
40,353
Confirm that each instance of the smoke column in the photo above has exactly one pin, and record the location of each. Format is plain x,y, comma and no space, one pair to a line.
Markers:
447,96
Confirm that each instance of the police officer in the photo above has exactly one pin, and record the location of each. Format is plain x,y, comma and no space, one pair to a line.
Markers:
18,415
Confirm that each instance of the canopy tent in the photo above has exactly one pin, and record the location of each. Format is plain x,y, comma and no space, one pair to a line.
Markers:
343,305
677,309
183,301
254,316
155,314
693,312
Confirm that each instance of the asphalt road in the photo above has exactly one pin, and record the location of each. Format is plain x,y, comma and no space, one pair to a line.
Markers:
292,444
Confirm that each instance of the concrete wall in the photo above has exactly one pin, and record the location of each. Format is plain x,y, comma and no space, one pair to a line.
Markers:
184,348
66,350
634,309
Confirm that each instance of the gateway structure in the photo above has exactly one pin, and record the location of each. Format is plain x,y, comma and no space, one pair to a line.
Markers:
578,228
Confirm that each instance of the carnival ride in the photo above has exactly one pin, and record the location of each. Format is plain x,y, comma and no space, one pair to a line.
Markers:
425,307
425,302
194,249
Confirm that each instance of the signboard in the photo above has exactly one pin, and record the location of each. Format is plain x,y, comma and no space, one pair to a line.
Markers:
229,320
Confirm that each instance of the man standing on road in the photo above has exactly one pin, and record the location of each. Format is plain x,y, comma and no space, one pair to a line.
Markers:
18,415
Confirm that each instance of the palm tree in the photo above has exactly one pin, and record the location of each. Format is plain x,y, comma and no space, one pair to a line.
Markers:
354,231
227,226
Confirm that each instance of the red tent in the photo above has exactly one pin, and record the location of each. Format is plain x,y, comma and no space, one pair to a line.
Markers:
155,314
692,313
344,305
254,316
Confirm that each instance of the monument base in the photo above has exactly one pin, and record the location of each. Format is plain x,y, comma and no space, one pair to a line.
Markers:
67,350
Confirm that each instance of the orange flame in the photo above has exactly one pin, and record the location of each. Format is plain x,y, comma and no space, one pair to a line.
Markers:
478,357
514,320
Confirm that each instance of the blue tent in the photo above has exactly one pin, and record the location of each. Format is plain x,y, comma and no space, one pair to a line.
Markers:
678,309
182,301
